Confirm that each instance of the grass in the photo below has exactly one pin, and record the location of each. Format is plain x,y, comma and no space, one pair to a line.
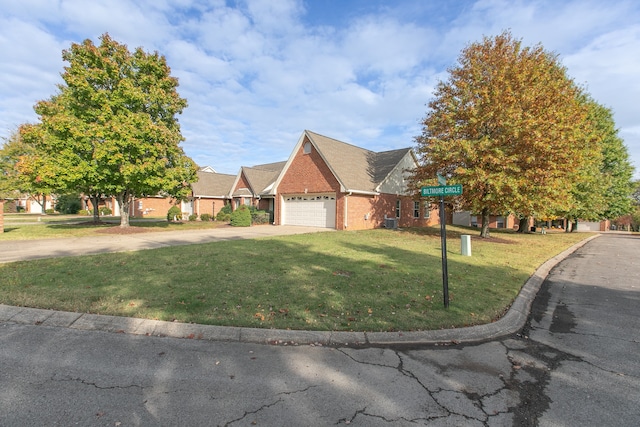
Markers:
30,227
376,280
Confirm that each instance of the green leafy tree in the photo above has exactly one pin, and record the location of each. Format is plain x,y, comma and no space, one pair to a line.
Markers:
112,129
604,186
19,173
507,126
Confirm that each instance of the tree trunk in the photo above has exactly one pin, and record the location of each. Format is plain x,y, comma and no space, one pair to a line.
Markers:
95,200
575,226
484,232
522,225
124,199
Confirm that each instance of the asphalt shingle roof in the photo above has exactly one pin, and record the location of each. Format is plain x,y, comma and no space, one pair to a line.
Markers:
210,184
358,169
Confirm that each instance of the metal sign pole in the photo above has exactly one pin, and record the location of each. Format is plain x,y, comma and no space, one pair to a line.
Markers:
443,240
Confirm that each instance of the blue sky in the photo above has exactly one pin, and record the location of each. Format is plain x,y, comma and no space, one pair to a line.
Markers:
256,73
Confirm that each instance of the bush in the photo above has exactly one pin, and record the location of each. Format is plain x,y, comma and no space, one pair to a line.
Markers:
241,217
86,212
68,204
205,217
105,211
225,213
260,217
174,212
49,211
193,217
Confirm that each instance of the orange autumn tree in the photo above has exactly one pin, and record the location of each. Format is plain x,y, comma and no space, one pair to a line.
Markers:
509,127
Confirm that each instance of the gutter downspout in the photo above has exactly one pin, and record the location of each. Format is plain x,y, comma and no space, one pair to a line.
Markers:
346,209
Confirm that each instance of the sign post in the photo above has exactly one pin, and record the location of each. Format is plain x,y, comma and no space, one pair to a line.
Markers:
443,190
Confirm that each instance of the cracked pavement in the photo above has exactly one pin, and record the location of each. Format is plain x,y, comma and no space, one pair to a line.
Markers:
575,363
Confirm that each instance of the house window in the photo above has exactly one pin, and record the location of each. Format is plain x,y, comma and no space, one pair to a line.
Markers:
307,148
427,210
500,222
416,209
398,208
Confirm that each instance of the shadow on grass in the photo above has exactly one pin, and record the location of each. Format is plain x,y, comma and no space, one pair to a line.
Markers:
337,282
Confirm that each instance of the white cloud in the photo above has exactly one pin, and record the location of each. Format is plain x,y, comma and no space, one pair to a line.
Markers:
258,72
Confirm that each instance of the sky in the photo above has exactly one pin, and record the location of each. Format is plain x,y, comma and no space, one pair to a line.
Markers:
257,73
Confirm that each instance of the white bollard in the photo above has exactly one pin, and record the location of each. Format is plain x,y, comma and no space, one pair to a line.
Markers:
465,245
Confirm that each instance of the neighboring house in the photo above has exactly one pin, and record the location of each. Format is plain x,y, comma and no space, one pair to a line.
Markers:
210,192
329,183
468,219
253,186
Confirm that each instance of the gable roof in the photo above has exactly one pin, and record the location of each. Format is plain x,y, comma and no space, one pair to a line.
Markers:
260,179
212,184
356,169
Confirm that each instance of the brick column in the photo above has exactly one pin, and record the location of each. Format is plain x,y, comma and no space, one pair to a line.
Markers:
1,216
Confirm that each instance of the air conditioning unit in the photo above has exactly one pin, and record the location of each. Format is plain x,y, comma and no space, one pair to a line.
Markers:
391,223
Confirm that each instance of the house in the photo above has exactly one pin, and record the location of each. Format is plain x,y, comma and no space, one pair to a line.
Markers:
209,193
329,183
254,186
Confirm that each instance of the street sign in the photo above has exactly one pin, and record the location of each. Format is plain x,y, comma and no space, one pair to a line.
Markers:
441,180
442,190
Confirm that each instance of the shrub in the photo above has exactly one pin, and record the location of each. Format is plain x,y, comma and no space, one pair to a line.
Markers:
105,211
173,213
86,212
260,217
49,211
193,217
68,204
225,213
205,217
241,217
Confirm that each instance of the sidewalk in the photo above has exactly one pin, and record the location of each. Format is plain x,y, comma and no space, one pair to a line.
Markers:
511,323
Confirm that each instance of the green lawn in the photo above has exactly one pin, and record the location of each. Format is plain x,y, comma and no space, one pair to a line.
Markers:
30,226
377,280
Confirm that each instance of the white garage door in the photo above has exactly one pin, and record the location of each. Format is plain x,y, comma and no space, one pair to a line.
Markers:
314,210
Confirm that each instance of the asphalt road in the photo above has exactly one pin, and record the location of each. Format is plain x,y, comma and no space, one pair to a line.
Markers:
575,363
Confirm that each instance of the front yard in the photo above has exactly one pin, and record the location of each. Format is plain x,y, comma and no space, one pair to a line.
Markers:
378,280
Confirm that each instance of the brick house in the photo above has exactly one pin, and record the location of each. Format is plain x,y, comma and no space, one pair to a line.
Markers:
254,186
210,192
329,183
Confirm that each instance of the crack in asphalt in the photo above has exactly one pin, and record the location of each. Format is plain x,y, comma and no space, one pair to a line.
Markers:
268,405
84,382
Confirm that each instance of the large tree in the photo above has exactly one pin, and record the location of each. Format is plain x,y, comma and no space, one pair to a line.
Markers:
507,125
604,186
17,177
112,129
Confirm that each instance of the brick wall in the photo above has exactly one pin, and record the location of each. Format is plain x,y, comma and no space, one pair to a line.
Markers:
208,206
151,207
1,216
308,173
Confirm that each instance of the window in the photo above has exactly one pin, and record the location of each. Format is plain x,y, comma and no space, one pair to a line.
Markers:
398,208
307,148
427,210
416,209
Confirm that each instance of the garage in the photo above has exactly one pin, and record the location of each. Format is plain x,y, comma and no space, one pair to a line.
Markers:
313,210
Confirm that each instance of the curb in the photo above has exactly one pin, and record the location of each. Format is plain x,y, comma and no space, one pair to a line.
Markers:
510,323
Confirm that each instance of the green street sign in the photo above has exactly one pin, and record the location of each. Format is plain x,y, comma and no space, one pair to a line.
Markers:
441,180
442,190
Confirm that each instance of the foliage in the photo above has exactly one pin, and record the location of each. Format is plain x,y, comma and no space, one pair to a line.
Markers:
241,217
104,210
68,204
193,217
603,187
224,215
259,216
507,125
111,128
205,217
174,213
19,171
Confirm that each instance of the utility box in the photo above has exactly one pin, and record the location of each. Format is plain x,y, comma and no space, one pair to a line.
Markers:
465,245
